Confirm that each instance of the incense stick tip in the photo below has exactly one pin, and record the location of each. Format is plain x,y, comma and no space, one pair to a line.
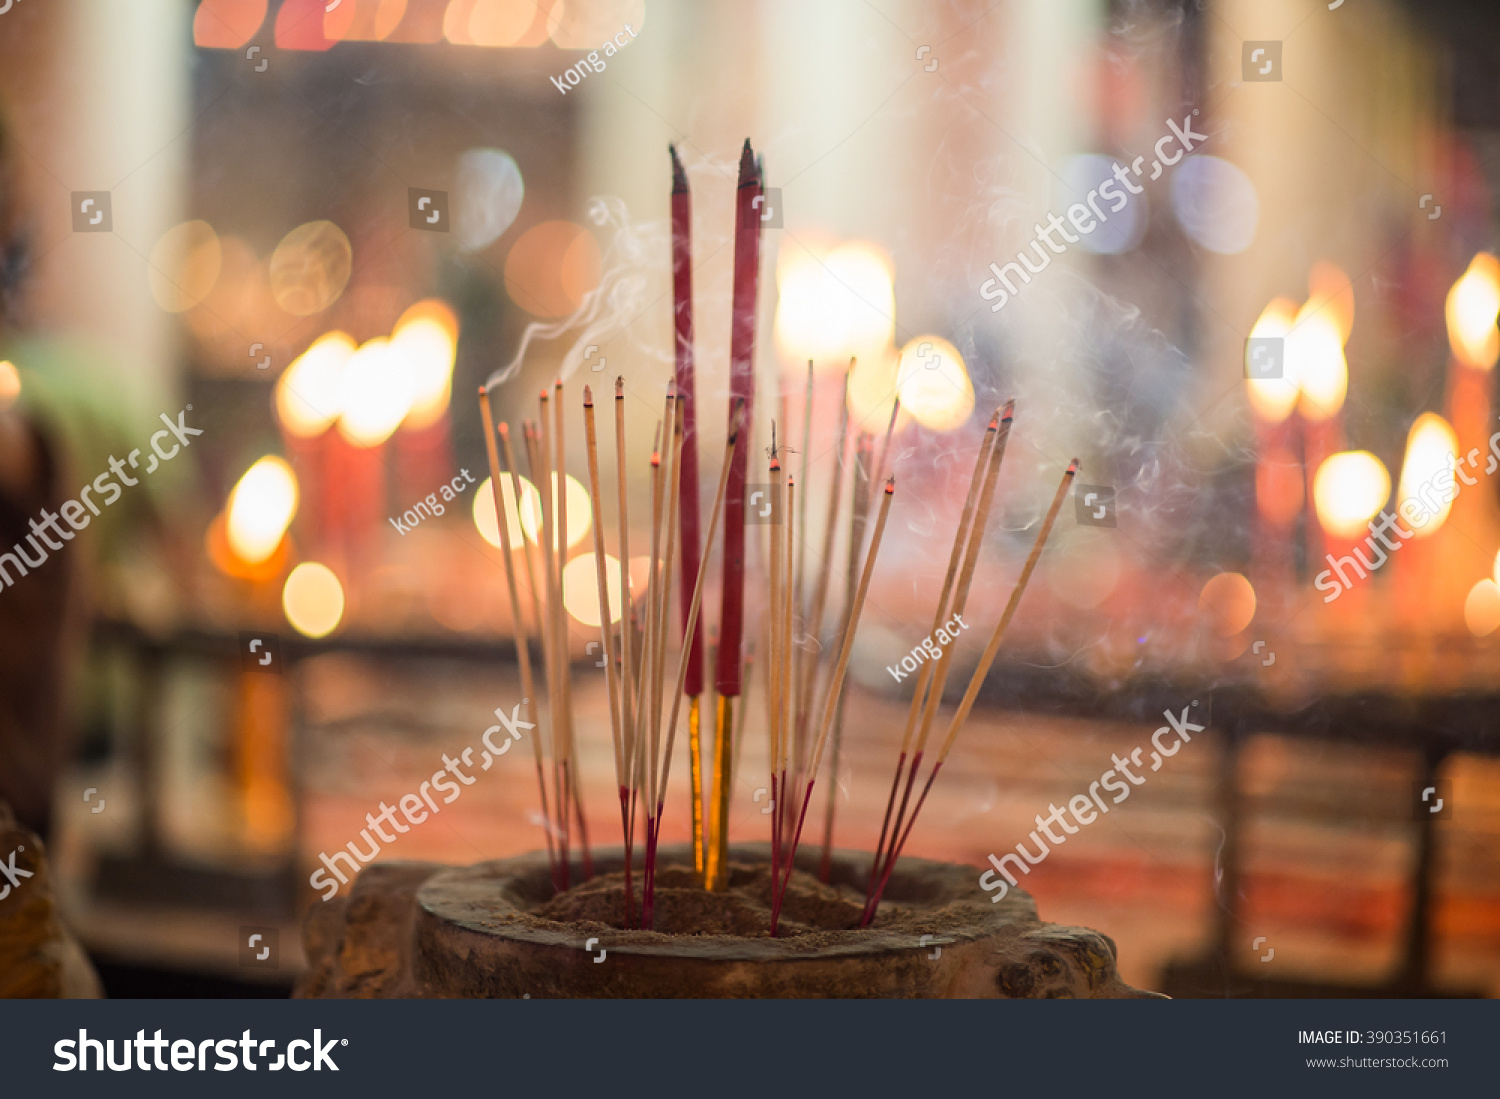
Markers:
1009,411
890,485
588,397
679,177
1072,467
620,387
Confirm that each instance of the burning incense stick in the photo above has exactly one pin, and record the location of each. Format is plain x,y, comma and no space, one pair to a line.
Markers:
774,684
523,651
814,632
691,547
976,681
606,621
858,520
940,614
784,710
731,616
539,448
731,447
799,605
565,660
835,687
939,675
627,607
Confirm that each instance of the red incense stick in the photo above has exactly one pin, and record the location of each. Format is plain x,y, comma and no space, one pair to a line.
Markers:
741,388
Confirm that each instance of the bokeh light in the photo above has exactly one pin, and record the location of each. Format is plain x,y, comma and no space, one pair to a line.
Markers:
1215,203
1349,488
1315,356
313,599
300,25
581,588
1430,448
261,507
584,24
424,340
1227,602
550,268
484,511
375,393
227,24
487,195
580,514
310,268
1482,608
1273,398
184,266
934,384
10,384
831,307
363,20
502,22
308,393
1330,292
1472,307
872,389
1122,229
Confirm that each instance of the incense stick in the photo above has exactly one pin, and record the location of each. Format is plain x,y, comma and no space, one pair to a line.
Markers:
565,655
627,607
523,648
538,455
731,447
835,687
939,615
810,654
606,619
690,545
858,519
976,681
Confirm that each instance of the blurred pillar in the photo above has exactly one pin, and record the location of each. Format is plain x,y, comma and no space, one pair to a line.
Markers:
119,121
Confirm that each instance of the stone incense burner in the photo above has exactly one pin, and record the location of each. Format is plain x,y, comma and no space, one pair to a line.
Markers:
497,929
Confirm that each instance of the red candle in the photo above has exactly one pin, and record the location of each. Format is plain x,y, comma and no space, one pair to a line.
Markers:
741,387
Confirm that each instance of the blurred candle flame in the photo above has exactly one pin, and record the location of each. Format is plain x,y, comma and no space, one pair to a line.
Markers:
375,393
1473,305
260,509
1430,448
426,340
1315,356
1330,292
308,391
1273,398
1349,488
834,306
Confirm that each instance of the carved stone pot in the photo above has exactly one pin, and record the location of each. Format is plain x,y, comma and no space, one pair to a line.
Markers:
416,929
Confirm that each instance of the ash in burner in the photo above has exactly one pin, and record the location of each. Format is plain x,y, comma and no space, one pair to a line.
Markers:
684,907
